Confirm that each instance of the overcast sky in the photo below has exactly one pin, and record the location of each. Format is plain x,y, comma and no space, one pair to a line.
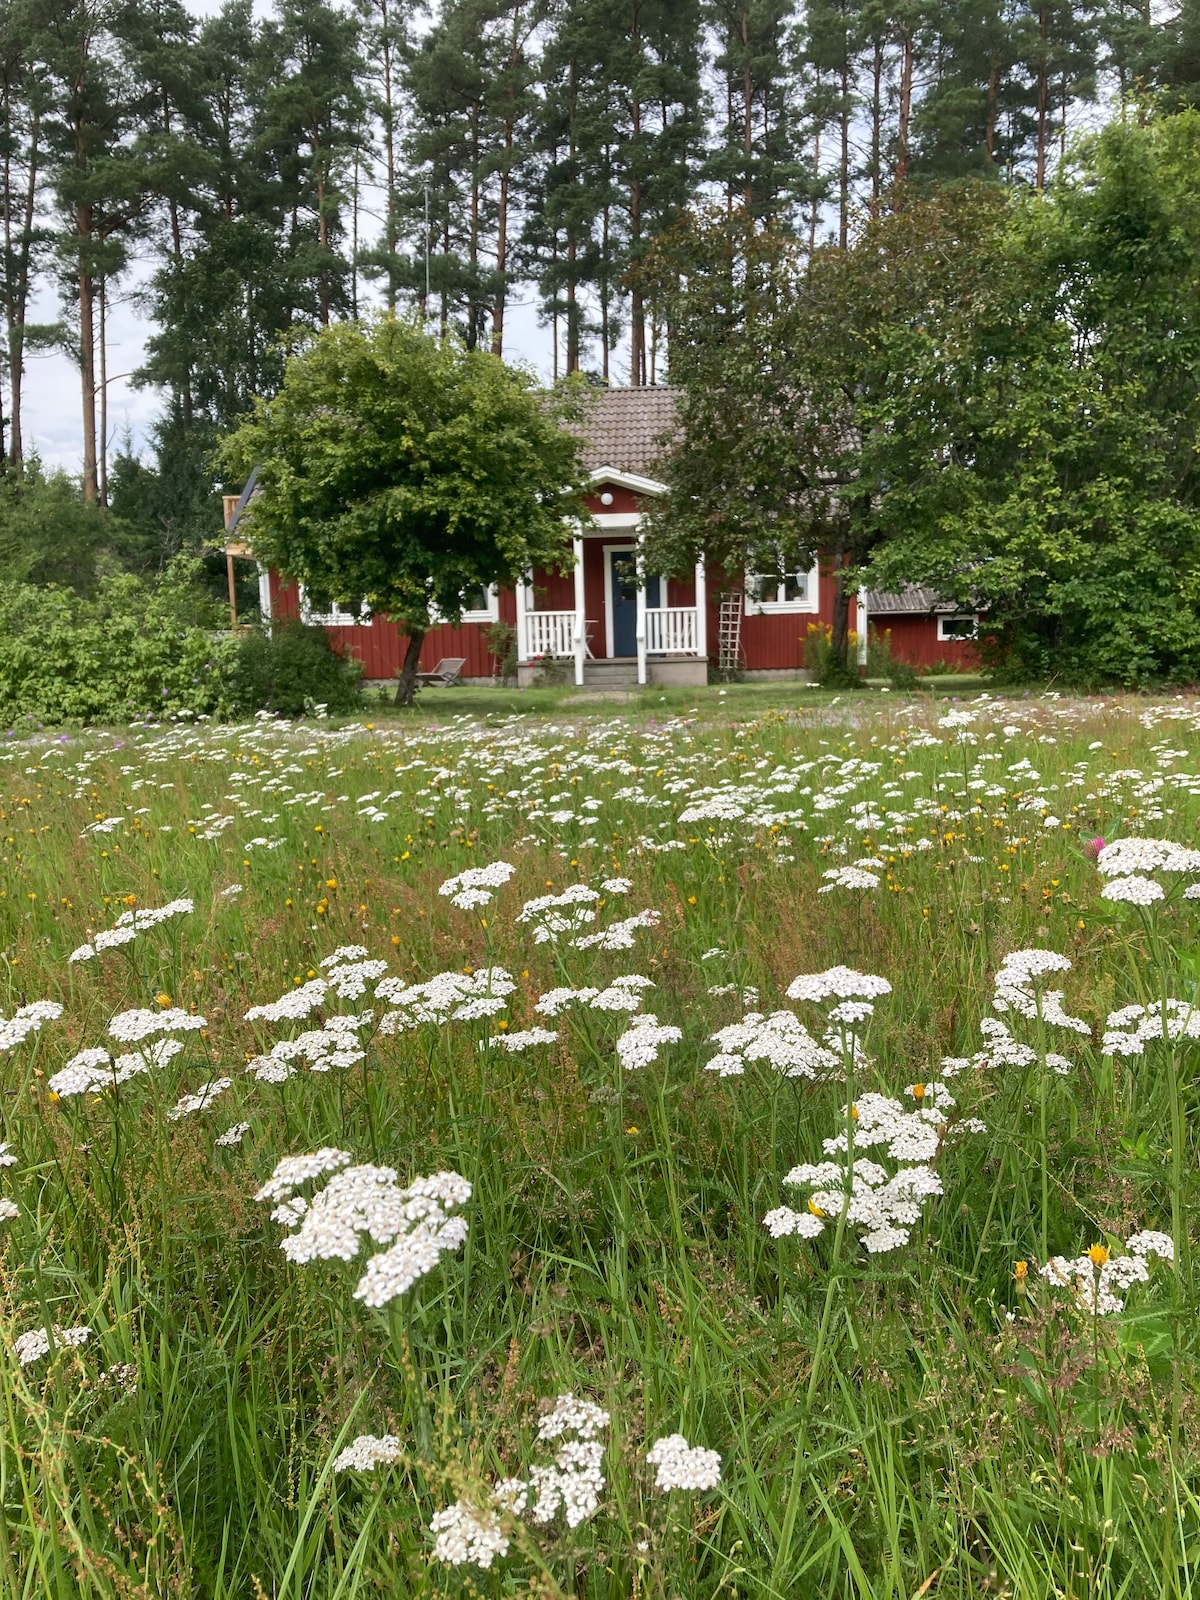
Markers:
53,408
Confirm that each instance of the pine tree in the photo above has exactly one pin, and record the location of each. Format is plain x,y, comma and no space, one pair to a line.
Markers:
98,183
24,103
755,160
313,115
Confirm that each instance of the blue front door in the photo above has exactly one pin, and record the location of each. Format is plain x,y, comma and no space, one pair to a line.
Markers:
623,589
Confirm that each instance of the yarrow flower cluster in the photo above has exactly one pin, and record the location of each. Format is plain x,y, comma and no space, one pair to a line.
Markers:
678,1465
293,1006
618,935
365,1202
1127,865
622,994
639,1045
522,1039
188,1104
838,983
94,1071
131,1026
348,972
849,878
367,1452
476,886
780,1039
448,997
466,1535
335,1045
555,914
1018,987
25,1020
127,927
884,1207
1129,1030
1095,1277
30,1347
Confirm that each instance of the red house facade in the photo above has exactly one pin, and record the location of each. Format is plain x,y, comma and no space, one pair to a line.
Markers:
607,623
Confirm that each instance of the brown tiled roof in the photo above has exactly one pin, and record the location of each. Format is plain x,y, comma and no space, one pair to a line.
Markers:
627,429
912,600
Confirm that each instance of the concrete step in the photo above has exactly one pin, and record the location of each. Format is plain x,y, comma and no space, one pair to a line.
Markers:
618,673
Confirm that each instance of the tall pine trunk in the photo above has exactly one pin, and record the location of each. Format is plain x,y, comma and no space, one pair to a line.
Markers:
102,385
905,108
1043,99
87,350
16,289
844,160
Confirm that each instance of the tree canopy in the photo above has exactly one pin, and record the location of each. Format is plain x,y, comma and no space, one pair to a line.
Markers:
408,472
994,394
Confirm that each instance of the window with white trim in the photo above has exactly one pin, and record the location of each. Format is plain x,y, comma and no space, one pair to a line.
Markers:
334,618
479,604
962,627
791,591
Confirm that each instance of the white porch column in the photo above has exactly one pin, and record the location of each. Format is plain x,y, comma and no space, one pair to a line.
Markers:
641,612
862,627
579,639
264,594
522,597
701,612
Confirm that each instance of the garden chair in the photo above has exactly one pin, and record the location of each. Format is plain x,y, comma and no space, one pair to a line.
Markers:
444,675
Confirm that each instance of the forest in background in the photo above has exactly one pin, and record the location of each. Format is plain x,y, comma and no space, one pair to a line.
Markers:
252,179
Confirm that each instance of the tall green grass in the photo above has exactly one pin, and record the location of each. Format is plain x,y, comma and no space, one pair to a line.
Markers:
961,1436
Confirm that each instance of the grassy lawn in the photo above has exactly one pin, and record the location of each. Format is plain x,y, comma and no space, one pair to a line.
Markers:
792,1093
744,698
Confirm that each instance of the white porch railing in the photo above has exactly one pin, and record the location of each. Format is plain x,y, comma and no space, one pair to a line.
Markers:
671,631
549,633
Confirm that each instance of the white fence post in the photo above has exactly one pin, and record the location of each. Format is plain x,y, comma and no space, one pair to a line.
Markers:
701,611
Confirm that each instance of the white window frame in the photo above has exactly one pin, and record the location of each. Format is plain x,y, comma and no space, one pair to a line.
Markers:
957,638
489,613
810,605
337,618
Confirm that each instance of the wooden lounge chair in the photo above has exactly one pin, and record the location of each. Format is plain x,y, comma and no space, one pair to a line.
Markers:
444,675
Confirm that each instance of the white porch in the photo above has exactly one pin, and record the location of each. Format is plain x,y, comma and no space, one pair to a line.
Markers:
621,629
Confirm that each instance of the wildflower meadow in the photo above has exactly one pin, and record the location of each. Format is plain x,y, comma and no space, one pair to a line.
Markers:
604,1154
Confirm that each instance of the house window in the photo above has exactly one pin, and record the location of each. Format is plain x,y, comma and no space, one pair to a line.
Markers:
481,604
963,627
793,591
334,618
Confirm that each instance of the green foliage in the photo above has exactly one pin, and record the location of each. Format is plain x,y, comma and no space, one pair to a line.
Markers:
47,533
407,472
135,649
1040,452
294,669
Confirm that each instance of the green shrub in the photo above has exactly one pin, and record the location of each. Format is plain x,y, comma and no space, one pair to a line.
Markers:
139,648
133,649
294,669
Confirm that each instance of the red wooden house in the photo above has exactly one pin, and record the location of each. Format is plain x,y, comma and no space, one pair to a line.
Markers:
601,626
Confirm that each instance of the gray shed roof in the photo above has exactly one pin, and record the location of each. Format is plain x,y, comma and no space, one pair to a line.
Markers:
628,429
913,600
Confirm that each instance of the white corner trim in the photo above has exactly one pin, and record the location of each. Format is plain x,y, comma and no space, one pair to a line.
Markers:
628,480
